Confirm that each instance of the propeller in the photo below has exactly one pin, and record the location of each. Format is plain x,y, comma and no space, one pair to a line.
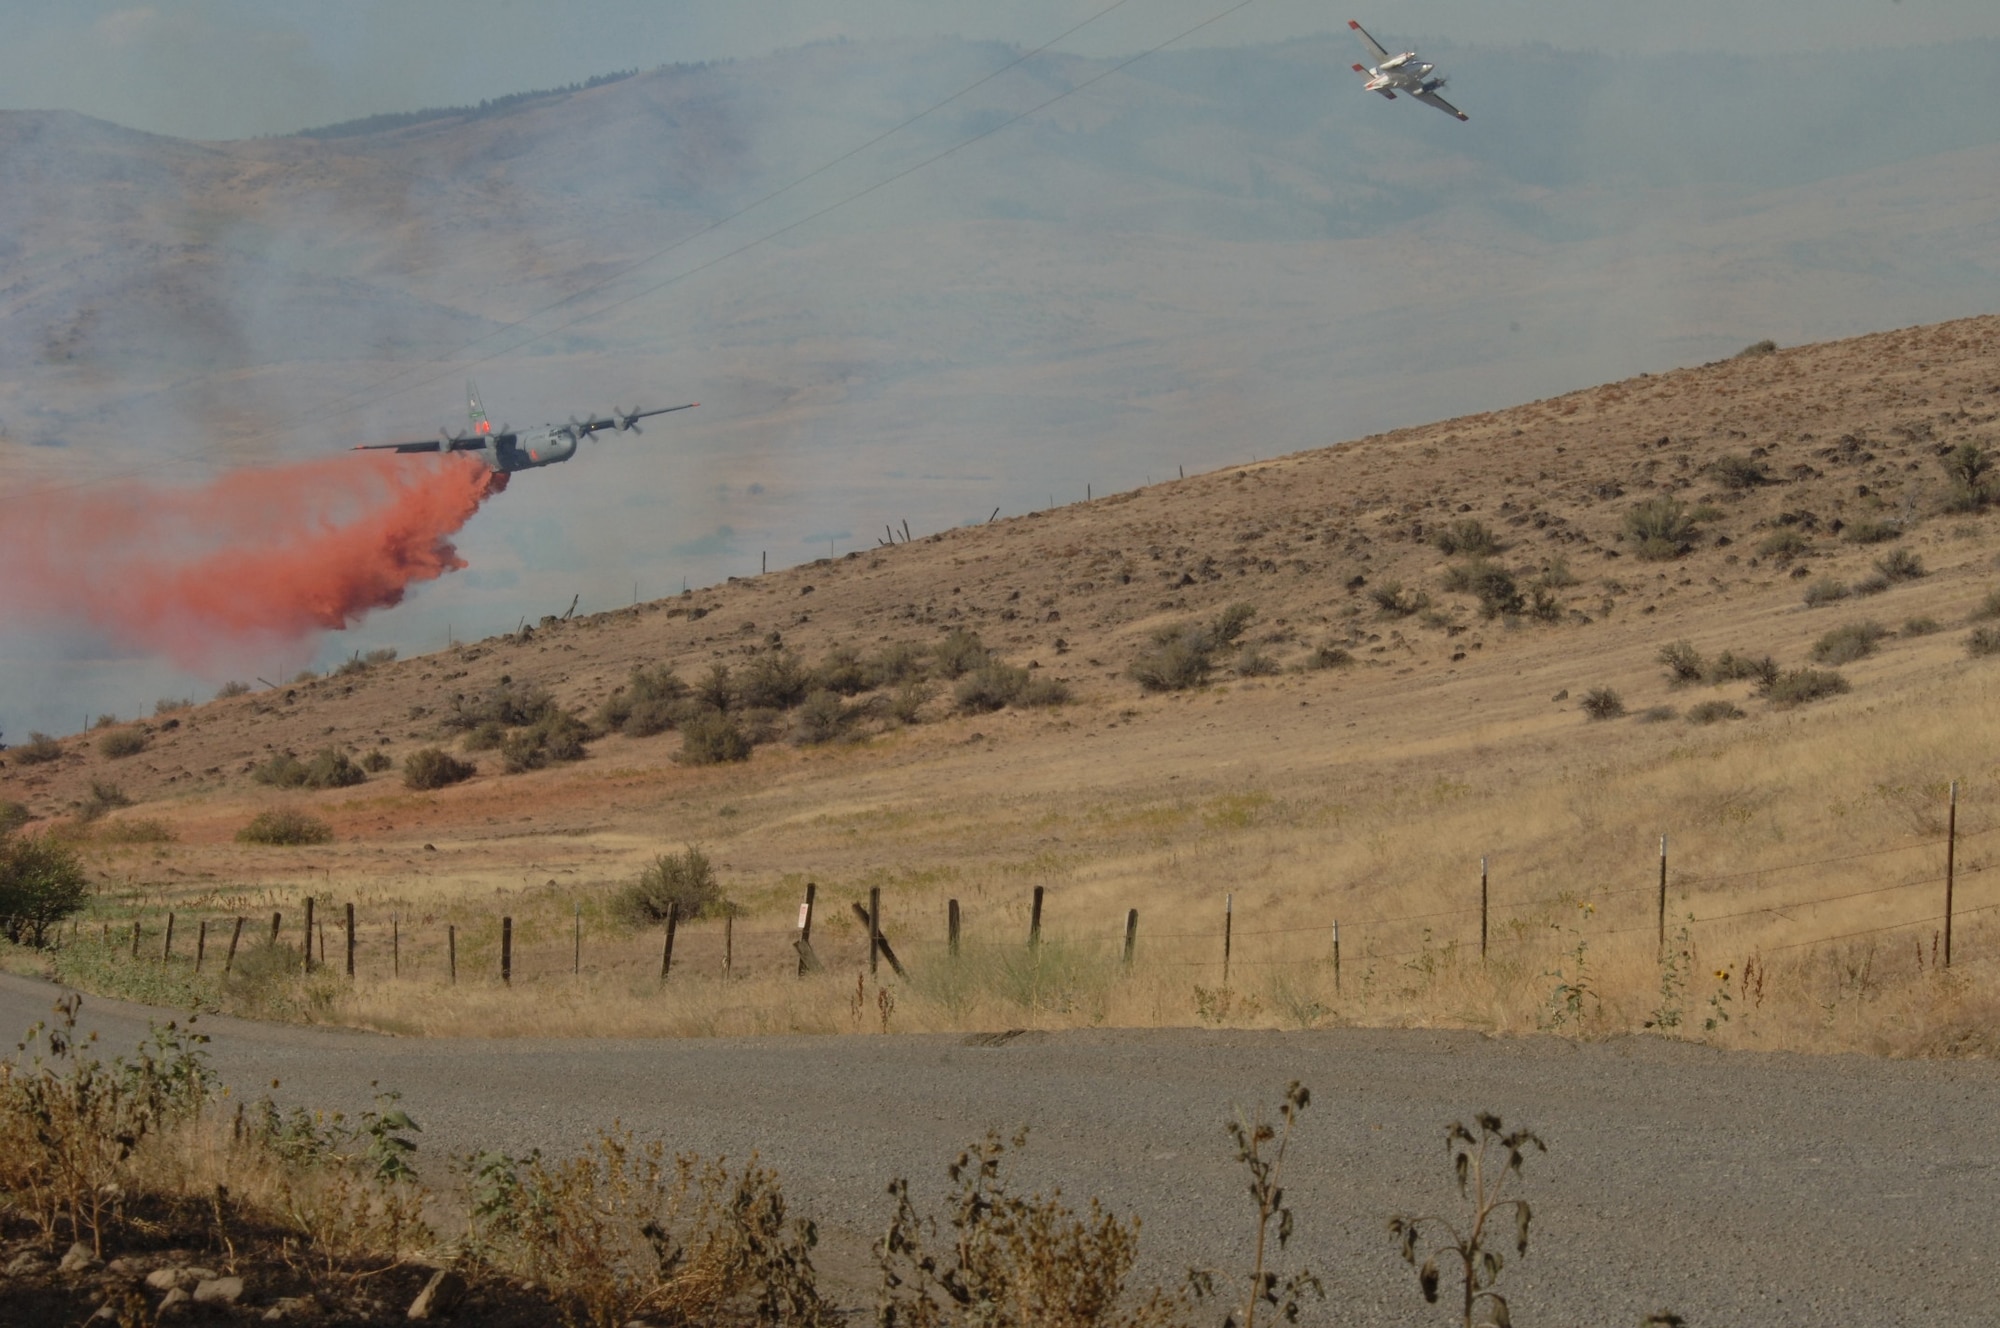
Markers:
623,420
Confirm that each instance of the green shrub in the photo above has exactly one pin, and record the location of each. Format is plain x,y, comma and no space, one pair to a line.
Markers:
1683,663
1732,667
1042,692
1466,537
13,815
1737,473
1658,714
1872,584
1231,622
1490,583
1844,645
1983,641
1901,565
822,718
1969,468
1921,626
168,705
507,704
712,738
645,705
556,736
1603,703
1988,609
120,743
990,687
376,762
959,653
1785,545
1660,528
898,662
328,769
41,883
1868,530
1254,663
1396,602
232,688
104,797
1330,657
40,749
1798,686
1826,590
285,828
1757,350
1176,659
434,768
1713,712
686,878
843,673
774,681
909,699
486,737
142,831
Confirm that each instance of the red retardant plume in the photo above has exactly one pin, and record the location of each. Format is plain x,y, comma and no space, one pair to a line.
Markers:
259,558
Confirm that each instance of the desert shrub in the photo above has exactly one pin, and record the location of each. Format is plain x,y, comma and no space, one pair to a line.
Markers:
843,673
282,771
645,705
1868,530
41,883
898,662
1489,582
1844,645
1987,610
1042,692
821,718
105,722
1330,657
711,738
717,690
1732,667
1737,473
990,687
906,704
1466,537
104,797
1556,574
507,703
1659,714
1231,622
486,737
1901,565
1968,467
686,879
1603,703
1921,626
13,815
39,749
328,769
168,705
1683,663
1176,659
1660,528
435,768
1983,641
1712,712
1826,590
1395,602
1872,584
232,688
556,736
774,681
144,830
377,761
959,653
285,828
120,743
1798,686
304,676
1784,545
1543,605
1757,350
1254,663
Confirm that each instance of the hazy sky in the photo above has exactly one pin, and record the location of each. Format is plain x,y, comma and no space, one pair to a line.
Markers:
236,68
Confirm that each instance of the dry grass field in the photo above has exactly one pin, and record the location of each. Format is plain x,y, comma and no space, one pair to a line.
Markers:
1376,730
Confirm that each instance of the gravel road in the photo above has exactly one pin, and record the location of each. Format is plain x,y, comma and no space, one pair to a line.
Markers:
1732,1188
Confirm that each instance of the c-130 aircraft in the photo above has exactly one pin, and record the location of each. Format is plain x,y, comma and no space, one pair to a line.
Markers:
505,451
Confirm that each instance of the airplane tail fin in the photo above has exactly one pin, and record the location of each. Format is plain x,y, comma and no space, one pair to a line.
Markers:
475,414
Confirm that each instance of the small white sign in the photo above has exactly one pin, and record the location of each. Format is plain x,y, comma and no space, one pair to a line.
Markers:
804,910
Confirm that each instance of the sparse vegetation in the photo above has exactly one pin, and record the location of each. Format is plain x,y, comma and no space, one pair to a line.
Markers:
1602,703
776,680
1659,714
1737,473
1660,528
1482,1164
1983,642
1683,663
232,689
1330,657
1900,565
1921,626
556,736
1183,656
959,654
685,880
435,768
821,719
1799,686
651,702
1394,601
329,768
168,705
121,743
39,749
105,796
377,761
1969,470
1826,590
1844,645
1490,583
1757,350
1987,610
1713,712
1784,545
1466,538
712,738
507,704
1870,530
1732,667
13,815
285,829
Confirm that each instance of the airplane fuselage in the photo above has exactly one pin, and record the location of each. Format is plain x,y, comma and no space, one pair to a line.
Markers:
509,452
1403,73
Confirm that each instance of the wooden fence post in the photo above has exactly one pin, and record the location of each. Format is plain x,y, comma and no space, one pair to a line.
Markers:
507,951
1131,935
200,944
673,921
576,953
1336,956
135,938
451,950
1663,899
322,944
395,945
167,947
1228,927
808,961
309,934
874,927
1950,866
887,950
1035,922
229,961
350,941
1482,910
728,941
277,921
951,926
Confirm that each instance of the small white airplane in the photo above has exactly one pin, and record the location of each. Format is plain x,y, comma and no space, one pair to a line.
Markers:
1403,73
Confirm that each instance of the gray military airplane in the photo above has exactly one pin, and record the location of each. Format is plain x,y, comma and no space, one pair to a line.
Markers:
506,451
1403,73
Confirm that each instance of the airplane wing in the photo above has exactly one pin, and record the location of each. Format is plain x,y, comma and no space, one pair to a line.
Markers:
1432,99
1374,47
467,444
1361,69
627,419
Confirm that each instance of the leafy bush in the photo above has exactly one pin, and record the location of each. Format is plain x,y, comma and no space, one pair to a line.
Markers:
41,883
40,749
486,737
507,704
434,768
1466,537
1969,468
1785,545
821,719
232,688
1737,473
285,828
711,738
1177,659
909,700
1396,602
556,736
1826,590
1712,712
13,815
1868,530
120,743
329,768
1798,686
376,762
1983,641
774,681
1732,667
1603,703
104,797
991,687
843,673
1901,565
1661,528
1683,663
1844,645
646,704
1492,584
1231,622
898,662
717,690
686,878
959,653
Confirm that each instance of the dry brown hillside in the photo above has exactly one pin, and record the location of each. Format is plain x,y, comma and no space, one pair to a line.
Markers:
1310,790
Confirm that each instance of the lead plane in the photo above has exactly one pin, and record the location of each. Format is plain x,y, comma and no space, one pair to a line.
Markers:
1391,74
